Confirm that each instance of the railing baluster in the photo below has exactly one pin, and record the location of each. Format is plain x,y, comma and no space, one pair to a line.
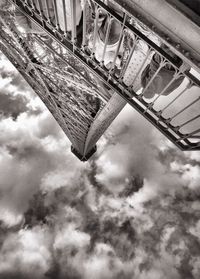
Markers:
189,135
73,20
47,9
166,87
177,97
106,39
40,9
84,25
182,110
162,64
195,137
56,14
121,36
65,17
97,12
141,67
124,68
189,121
32,4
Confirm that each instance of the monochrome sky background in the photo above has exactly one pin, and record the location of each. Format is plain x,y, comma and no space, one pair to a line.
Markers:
132,212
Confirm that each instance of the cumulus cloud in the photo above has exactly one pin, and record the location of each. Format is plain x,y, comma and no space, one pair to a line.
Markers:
25,254
12,106
136,148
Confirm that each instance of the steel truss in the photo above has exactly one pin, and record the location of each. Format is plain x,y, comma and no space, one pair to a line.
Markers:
83,109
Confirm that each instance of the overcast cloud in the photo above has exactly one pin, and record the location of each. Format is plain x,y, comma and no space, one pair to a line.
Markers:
132,212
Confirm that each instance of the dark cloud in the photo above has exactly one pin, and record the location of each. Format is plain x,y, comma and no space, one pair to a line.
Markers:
132,185
16,275
12,106
57,272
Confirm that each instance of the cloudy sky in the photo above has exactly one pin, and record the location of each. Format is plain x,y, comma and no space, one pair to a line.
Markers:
132,212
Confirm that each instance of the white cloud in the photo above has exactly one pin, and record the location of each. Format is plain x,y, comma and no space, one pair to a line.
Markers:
26,252
10,218
195,230
195,263
70,236
192,176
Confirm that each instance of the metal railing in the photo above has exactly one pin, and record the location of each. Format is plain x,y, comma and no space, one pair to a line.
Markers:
86,31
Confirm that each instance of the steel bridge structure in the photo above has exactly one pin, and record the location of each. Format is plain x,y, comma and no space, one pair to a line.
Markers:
58,58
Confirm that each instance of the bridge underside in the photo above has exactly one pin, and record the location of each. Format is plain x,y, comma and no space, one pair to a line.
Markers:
84,88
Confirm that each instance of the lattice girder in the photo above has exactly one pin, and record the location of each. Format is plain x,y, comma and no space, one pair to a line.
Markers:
72,100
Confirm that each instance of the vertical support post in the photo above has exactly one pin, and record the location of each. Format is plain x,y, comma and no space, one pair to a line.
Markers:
84,24
47,9
65,17
56,14
73,20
